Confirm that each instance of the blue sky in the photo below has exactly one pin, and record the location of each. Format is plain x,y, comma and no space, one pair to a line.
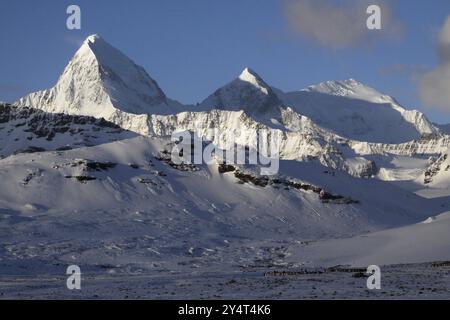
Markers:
191,47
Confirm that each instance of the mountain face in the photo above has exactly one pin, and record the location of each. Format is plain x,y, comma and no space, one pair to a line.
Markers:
358,112
29,130
247,92
337,123
438,172
101,81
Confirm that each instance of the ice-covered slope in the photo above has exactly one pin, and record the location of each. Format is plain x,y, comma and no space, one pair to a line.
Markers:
427,241
356,111
101,81
437,173
247,92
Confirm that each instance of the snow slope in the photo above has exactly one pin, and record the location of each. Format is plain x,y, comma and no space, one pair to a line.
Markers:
120,205
423,242
356,111
437,174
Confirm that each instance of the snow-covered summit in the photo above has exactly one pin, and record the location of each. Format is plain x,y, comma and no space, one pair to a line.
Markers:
114,63
250,76
101,81
350,88
357,111
92,38
248,92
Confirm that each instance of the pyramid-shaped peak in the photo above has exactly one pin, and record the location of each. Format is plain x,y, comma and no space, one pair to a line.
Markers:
247,92
100,81
115,67
248,72
101,49
249,75
93,43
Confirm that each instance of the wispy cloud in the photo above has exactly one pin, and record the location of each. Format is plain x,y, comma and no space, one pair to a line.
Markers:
75,40
435,84
339,24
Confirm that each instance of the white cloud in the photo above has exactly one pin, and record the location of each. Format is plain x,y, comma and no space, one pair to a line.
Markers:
338,24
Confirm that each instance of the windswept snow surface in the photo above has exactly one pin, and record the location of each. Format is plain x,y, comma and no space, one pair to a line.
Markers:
422,242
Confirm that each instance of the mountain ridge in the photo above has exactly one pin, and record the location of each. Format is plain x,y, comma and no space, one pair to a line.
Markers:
343,121
248,92
101,81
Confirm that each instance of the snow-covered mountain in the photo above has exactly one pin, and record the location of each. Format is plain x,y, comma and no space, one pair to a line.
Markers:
337,123
86,176
29,130
356,111
438,172
101,81
247,92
